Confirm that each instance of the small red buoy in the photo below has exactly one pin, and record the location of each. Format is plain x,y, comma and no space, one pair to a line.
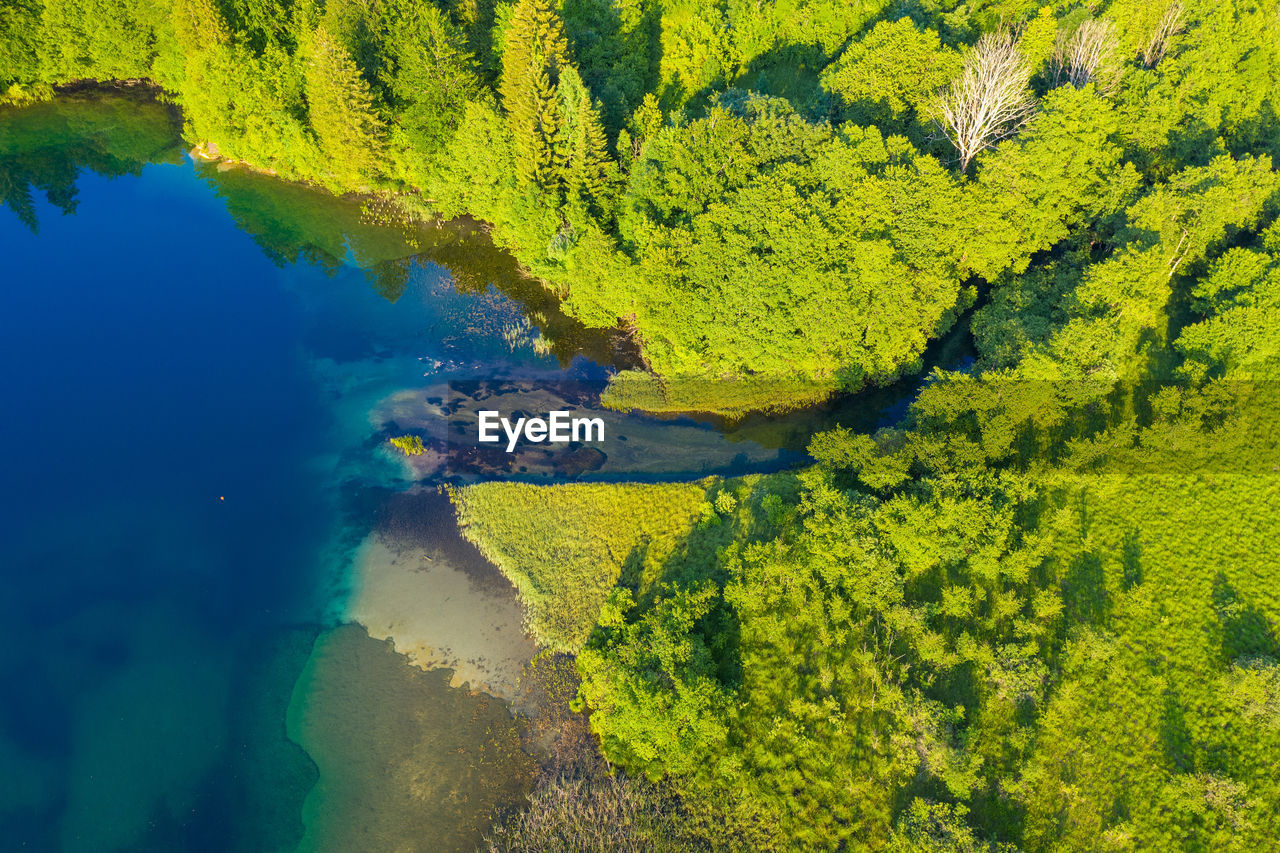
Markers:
221,498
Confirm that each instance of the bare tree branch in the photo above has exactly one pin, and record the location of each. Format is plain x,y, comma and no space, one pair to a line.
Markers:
1170,24
1088,55
990,101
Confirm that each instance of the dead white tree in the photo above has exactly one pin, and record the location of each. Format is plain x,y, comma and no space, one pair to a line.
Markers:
990,101
1088,55
1170,24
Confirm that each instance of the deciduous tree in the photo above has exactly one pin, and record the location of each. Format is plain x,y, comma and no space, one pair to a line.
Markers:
990,101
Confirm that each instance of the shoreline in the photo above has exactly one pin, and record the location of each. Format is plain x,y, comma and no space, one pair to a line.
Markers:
626,351
436,617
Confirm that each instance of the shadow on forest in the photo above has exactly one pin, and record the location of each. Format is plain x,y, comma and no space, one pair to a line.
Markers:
1175,735
693,564
1244,630
1131,561
786,71
619,59
1085,598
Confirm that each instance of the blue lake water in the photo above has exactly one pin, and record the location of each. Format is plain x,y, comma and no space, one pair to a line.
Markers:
186,460
199,372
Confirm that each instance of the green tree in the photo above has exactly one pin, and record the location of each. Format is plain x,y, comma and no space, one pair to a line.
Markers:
588,171
97,39
532,60
927,827
1239,301
890,76
19,45
613,44
426,75
340,108
199,26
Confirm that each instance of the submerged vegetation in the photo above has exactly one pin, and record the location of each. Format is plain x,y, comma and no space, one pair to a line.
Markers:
409,445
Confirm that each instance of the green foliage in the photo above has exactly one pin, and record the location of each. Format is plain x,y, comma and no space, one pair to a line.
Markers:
535,53
19,47
763,240
97,39
1117,308
1187,614
774,48
237,104
753,190
1239,300
477,171
979,658
565,548
1211,93
340,109
587,172
409,445
1038,613
890,77
559,143
1064,175
426,75
927,827
614,43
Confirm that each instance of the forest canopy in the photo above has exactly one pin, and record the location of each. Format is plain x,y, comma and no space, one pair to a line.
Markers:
1040,612
803,193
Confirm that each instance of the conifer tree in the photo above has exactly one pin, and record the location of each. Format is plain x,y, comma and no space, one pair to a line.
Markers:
340,107
199,70
535,54
582,140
